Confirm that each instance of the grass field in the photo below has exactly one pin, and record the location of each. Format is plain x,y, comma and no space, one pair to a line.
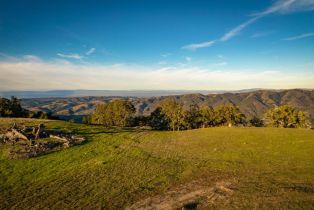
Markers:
263,168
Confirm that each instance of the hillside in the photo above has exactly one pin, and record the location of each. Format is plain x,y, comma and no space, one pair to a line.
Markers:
250,103
214,168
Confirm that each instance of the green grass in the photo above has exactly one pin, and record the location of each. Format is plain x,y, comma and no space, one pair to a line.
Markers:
270,168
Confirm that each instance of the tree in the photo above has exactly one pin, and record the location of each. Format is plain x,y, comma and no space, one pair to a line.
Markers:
287,117
229,115
122,111
173,112
5,109
256,122
158,120
114,113
208,118
192,117
87,119
11,108
139,120
99,116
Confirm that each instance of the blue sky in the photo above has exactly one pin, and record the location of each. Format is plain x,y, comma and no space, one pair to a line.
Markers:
156,44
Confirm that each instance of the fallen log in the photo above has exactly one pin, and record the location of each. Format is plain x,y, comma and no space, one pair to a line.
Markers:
59,138
18,135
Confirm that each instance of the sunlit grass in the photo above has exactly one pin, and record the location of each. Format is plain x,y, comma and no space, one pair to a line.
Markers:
270,168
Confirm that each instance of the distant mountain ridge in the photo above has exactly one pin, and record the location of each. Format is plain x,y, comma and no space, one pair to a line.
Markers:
252,103
122,93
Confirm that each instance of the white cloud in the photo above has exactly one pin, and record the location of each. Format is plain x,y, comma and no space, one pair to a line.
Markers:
162,63
74,56
302,36
223,63
237,29
261,34
188,59
38,75
7,57
90,51
165,55
32,58
287,6
198,45
278,7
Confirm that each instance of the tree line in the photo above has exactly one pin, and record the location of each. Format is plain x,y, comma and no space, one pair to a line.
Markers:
12,108
170,115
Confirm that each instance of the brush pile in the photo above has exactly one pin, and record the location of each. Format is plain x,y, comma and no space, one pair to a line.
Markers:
26,142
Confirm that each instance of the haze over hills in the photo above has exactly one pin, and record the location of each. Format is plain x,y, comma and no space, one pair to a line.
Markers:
251,103
122,93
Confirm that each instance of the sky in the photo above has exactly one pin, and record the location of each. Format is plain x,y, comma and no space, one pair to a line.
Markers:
156,44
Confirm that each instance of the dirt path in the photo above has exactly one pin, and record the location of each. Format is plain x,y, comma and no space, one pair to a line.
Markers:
187,196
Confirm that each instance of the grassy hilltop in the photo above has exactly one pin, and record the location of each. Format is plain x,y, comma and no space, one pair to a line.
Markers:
261,168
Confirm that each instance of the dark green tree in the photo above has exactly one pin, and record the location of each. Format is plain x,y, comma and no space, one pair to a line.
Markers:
158,120
208,117
193,117
256,122
11,108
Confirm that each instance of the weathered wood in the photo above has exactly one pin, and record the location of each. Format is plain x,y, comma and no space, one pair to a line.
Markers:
19,135
26,138
58,137
34,131
37,135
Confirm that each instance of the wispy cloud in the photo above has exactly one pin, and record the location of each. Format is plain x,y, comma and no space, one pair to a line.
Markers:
32,58
188,59
199,45
162,63
73,56
165,55
7,57
238,29
278,7
90,51
302,36
287,6
34,75
222,63
261,34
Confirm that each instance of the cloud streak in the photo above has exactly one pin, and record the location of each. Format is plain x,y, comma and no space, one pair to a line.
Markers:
199,45
261,34
165,55
287,6
302,36
72,56
32,74
234,32
90,51
278,7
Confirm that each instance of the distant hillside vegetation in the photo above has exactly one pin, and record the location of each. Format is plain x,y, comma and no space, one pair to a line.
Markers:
254,103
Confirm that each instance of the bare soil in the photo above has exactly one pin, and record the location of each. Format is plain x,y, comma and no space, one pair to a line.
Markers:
189,196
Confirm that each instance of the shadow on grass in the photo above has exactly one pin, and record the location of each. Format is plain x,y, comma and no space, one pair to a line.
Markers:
104,130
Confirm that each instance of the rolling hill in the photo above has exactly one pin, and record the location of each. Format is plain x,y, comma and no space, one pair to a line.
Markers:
254,103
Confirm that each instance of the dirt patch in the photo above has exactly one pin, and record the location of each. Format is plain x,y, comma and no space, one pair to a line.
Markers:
188,196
